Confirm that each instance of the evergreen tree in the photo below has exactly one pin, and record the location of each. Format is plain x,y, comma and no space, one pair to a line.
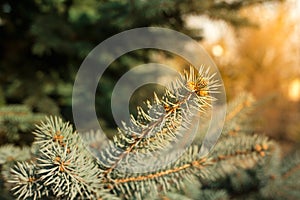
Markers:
242,165
43,43
17,123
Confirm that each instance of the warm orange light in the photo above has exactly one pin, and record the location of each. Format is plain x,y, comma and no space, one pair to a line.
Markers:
294,90
217,50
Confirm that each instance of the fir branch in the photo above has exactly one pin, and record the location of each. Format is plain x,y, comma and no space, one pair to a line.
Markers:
53,131
285,183
25,178
245,101
237,120
240,152
138,184
246,152
291,165
9,156
192,189
157,128
11,153
62,168
15,120
14,110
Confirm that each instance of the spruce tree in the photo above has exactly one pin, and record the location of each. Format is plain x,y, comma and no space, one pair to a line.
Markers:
242,165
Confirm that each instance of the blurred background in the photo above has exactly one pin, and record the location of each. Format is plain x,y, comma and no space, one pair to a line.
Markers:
255,44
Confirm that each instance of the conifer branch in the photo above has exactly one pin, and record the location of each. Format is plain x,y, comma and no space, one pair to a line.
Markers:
292,165
62,167
16,120
10,153
190,164
237,120
291,171
245,102
246,152
158,127
284,183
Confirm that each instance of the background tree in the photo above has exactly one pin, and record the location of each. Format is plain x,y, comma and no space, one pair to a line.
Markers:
41,50
263,59
43,43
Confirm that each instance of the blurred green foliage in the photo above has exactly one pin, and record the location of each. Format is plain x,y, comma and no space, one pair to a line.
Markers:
43,42
16,124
